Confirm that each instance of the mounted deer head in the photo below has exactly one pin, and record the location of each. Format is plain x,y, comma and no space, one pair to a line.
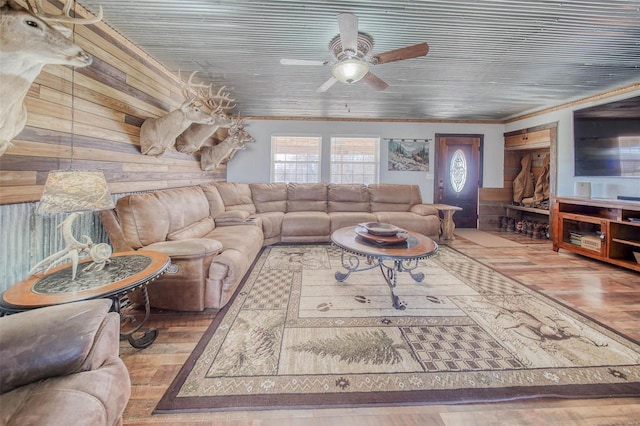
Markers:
29,40
158,134
192,139
213,156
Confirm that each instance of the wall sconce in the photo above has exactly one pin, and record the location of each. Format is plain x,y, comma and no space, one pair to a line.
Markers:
350,70
74,191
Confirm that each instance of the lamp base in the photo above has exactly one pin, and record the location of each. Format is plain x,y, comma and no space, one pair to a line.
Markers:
100,253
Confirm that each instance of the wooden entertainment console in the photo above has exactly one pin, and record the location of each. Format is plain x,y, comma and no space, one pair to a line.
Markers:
607,230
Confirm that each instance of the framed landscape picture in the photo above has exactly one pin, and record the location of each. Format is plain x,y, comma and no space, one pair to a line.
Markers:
409,155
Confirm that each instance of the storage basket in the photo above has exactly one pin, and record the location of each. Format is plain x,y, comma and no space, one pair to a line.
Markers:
590,242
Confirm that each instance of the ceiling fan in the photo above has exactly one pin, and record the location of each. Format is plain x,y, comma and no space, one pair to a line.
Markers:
351,50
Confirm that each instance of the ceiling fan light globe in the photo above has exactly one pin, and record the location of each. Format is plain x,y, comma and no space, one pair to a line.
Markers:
350,71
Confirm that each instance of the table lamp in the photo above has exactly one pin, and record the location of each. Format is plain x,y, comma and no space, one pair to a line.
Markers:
74,191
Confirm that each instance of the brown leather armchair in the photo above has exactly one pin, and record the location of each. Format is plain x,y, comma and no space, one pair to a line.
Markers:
60,365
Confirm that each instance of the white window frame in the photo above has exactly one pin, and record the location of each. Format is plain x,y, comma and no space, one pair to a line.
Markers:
358,175
281,141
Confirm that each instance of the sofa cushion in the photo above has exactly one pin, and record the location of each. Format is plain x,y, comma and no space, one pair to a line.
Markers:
195,230
424,210
195,248
271,224
347,198
95,397
149,217
246,239
78,327
241,243
425,225
269,197
305,224
143,219
236,196
307,197
343,219
184,206
60,366
216,205
393,197
232,217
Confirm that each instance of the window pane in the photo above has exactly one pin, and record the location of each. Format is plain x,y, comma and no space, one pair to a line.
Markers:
458,170
354,160
295,158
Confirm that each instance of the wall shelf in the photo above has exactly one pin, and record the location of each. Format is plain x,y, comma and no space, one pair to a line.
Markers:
535,210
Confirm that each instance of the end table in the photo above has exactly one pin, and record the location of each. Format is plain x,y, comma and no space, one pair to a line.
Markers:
125,272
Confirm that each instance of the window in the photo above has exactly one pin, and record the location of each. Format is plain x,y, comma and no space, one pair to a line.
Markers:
458,170
354,160
295,159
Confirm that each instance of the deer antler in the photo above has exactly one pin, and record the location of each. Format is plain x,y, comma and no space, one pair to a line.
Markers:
210,101
223,96
65,17
238,124
190,88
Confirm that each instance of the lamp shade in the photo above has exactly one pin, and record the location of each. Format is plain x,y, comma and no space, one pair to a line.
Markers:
69,191
350,70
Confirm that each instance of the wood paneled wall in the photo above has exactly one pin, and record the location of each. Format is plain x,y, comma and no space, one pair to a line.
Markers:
90,118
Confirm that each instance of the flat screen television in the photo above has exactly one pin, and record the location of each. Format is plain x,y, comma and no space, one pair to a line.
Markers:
607,139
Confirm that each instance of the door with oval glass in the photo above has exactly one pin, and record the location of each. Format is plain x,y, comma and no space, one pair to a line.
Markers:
458,169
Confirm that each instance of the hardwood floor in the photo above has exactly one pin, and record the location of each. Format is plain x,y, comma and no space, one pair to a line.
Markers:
606,293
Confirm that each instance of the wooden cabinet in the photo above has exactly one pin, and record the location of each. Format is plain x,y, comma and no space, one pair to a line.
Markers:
539,142
607,230
525,139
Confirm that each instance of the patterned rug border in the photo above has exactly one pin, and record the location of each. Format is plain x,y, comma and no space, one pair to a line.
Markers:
170,403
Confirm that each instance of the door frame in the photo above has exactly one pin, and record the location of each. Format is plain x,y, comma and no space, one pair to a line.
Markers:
437,169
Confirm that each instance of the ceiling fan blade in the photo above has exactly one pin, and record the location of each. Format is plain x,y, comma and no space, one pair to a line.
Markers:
374,81
408,52
302,62
327,85
348,26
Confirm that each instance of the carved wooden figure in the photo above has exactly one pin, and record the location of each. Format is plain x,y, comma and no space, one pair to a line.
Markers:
28,41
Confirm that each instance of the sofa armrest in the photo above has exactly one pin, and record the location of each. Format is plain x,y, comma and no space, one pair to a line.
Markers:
56,341
232,217
423,210
188,248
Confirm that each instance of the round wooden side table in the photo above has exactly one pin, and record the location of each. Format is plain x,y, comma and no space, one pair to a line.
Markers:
124,273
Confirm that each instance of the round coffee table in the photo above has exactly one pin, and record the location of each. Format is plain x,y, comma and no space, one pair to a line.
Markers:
125,272
391,257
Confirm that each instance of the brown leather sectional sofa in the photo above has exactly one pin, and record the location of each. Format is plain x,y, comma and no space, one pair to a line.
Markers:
213,232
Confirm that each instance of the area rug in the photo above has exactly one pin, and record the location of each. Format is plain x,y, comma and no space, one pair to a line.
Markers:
295,337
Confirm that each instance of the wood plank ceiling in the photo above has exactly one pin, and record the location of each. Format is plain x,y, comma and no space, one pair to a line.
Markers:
488,59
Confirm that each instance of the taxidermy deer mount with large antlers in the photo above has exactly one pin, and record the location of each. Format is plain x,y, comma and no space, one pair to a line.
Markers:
192,139
213,156
159,134
29,40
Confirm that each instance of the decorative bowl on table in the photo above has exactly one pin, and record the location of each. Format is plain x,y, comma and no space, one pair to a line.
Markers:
383,240
380,229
